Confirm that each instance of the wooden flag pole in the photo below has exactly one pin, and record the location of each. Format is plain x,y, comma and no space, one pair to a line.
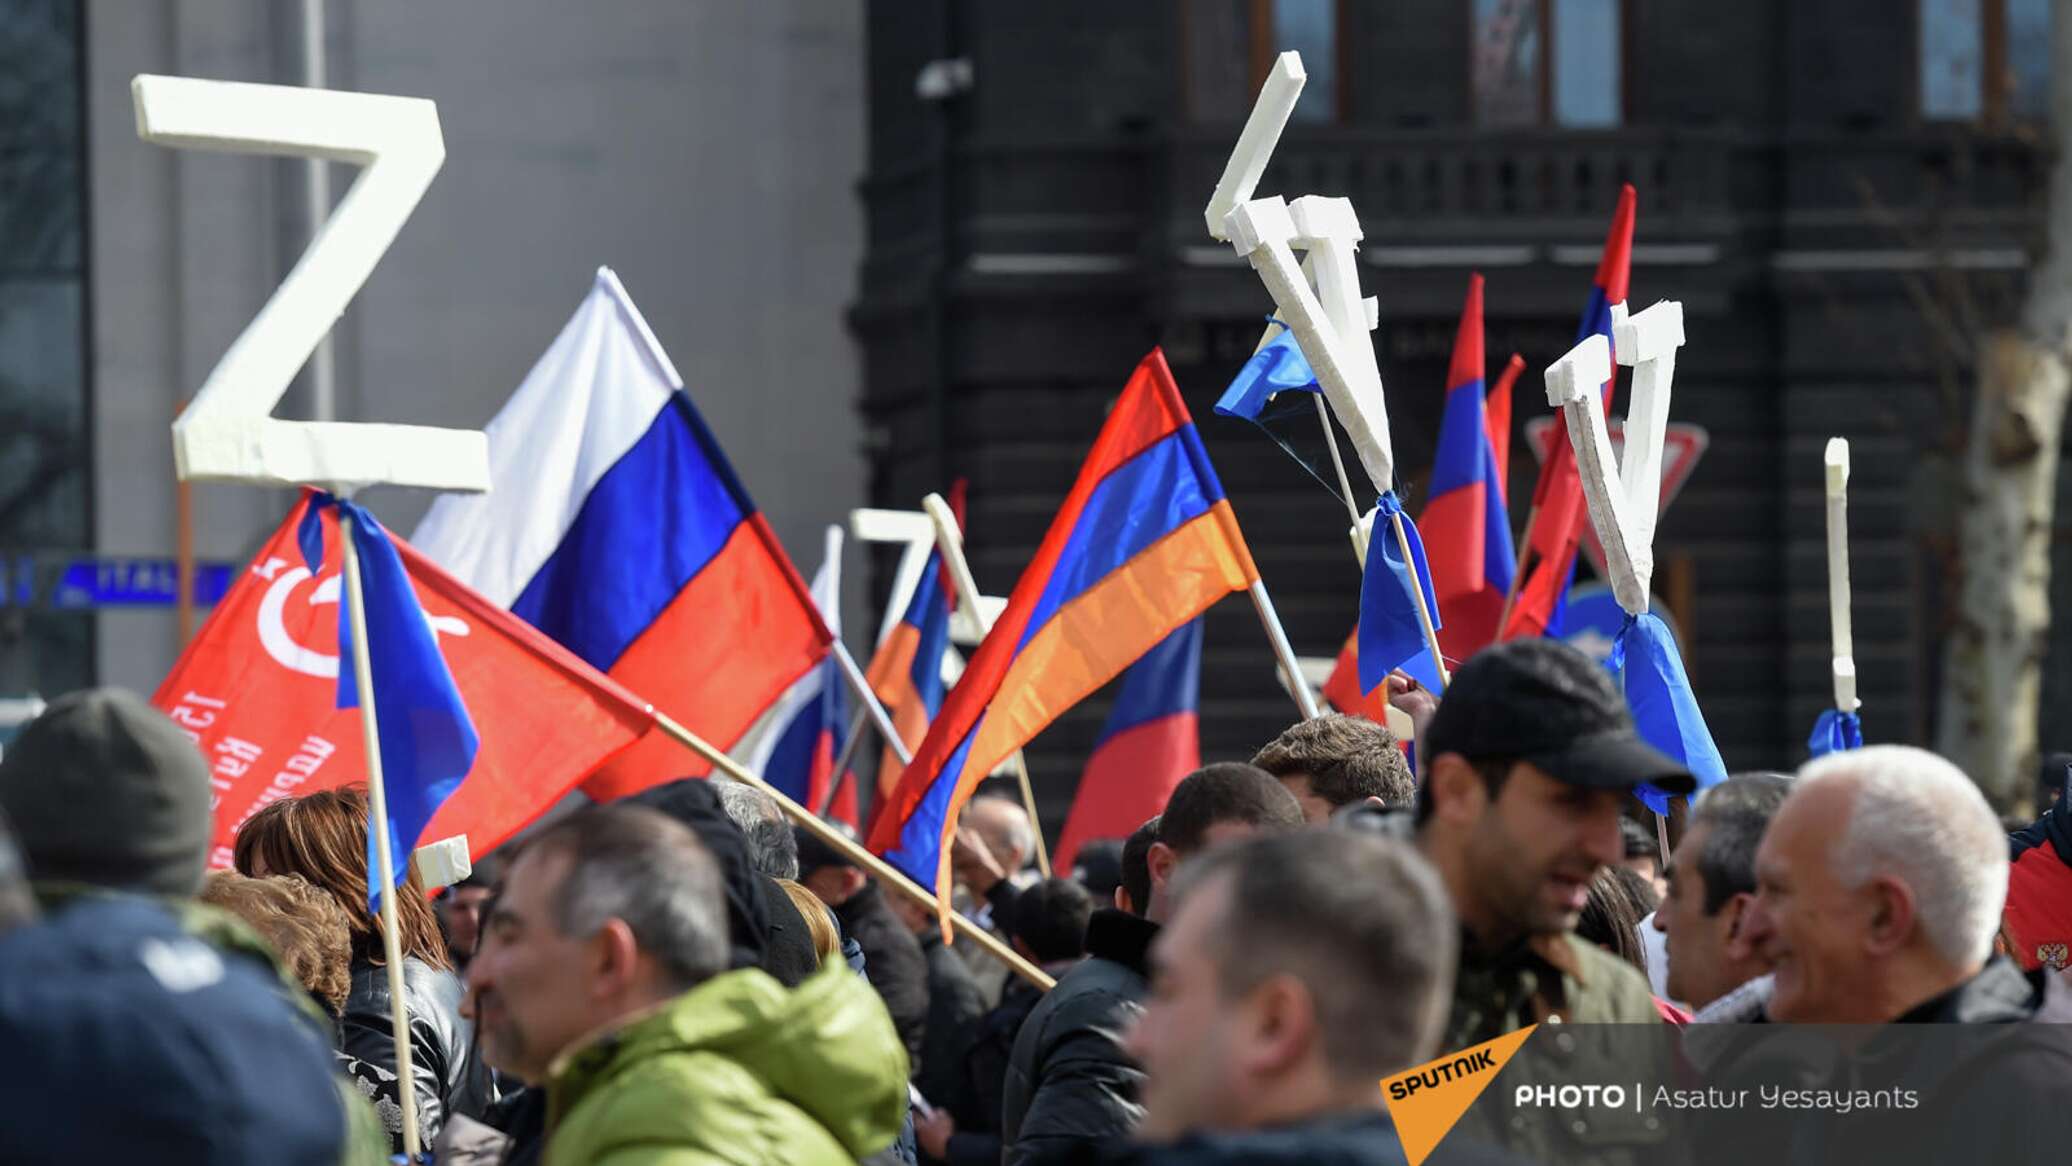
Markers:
842,763
1424,613
950,541
378,824
850,848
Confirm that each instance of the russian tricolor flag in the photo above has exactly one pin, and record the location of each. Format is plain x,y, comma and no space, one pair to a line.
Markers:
1152,740
1557,499
1145,542
799,739
618,528
1467,535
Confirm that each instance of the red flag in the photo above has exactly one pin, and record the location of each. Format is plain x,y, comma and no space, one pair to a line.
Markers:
1549,557
256,691
1499,416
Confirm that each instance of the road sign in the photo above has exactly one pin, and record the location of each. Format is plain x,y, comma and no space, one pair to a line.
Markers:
1682,445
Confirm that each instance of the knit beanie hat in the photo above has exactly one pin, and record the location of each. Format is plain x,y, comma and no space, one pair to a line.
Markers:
103,789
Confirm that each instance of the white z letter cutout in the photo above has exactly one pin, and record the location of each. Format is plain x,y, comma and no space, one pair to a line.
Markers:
226,434
1330,323
1624,499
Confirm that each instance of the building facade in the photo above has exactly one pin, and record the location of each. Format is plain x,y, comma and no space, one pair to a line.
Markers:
1837,190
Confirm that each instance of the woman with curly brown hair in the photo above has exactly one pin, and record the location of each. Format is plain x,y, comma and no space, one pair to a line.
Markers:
306,927
322,837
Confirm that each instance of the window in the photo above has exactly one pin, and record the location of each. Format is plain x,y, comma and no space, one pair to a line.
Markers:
1984,60
1310,27
43,420
1228,45
1547,62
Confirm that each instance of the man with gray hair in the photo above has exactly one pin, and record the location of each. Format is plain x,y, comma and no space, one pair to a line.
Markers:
772,849
602,975
1878,891
1297,971
1713,968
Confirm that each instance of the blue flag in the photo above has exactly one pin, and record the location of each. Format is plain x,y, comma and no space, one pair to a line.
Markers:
1665,710
1834,732
428,743
1390,635
1277,367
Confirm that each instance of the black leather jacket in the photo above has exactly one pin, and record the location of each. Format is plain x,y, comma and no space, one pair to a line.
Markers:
439,1044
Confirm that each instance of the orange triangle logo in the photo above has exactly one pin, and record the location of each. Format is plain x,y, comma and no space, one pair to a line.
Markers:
1426,1101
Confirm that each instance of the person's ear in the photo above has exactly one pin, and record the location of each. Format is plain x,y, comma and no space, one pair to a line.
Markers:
1458,794
614,957
1279,1025
1121,898
1163,860
1892,915
1734,915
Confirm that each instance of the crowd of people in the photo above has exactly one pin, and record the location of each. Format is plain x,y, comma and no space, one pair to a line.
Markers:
686,976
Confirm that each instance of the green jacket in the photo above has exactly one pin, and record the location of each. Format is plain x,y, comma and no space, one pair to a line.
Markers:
1561,982
739,1069
1550,976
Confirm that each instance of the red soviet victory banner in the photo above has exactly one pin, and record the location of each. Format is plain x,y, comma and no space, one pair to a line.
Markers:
257,689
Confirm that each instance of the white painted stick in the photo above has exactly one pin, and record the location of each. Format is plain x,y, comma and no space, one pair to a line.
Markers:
1256,142
1646,342
1838,574
950,540
1263,231
1575,383
1290,667
378,819
226,433
859,685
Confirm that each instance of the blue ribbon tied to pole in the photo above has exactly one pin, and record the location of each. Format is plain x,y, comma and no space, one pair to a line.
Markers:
428,741
1665,709
1834,732
1391,635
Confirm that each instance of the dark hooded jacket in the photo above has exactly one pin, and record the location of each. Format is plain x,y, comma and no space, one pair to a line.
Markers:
767,932
1069,1084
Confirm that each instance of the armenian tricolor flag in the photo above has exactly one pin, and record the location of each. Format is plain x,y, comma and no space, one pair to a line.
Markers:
1557,499
1467,535
1152,740
1144,542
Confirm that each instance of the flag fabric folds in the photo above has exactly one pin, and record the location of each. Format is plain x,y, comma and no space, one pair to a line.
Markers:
906,671
1469,533
803,733
1665,710
1151,741
1557,498
1835,731
1498,406
427,742
1277,367
619,528
259,691
1144,542
1391,635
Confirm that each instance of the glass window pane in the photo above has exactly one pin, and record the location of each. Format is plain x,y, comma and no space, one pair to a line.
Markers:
1506,66
1310,27
2028,57
1586,62
1952,56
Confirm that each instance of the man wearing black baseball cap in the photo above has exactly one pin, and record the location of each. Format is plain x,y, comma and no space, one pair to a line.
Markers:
1531,757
